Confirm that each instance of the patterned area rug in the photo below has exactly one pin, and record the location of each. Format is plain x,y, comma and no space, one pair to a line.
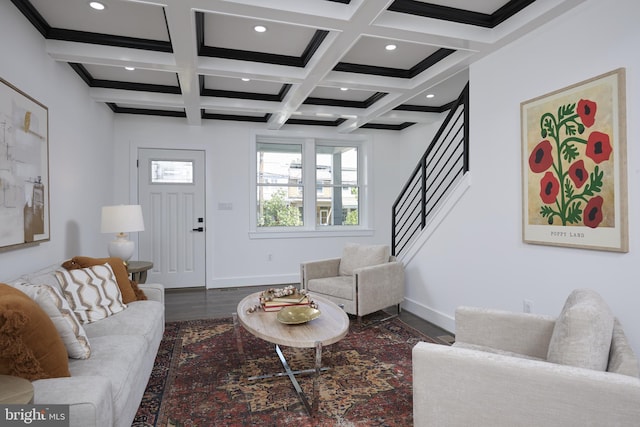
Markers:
199,378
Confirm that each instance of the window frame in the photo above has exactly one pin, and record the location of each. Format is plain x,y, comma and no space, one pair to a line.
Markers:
310,228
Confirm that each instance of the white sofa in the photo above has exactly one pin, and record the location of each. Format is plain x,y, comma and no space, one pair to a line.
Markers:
498,373
106,389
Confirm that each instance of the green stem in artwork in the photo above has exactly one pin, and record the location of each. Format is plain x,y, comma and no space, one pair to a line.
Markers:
562,205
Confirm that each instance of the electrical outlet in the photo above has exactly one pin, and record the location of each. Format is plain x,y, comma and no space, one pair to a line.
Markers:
527,306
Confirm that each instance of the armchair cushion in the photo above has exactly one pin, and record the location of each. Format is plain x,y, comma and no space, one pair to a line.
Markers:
356,256
339,286
583,331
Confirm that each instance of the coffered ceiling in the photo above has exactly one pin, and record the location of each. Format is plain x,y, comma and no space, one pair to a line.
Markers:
319,62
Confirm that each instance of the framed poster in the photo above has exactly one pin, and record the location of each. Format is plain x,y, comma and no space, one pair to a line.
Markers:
574,170
24,169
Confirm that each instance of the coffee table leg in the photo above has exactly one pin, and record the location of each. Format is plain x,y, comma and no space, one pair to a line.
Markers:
316,377
295,383
236,329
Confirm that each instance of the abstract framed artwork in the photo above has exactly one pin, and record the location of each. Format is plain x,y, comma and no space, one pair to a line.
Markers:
574,171
24,169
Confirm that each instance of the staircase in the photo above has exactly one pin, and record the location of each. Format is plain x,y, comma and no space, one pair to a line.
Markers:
434,180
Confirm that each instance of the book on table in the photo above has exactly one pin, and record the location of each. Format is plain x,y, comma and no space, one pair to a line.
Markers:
277,304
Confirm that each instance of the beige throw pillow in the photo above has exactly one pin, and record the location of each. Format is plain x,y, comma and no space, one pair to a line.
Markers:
582,334
356,256
92,292
57,308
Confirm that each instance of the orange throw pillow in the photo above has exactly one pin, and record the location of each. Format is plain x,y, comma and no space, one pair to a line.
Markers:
30,346
119,270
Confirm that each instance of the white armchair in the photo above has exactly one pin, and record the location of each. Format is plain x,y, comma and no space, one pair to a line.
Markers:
364,280
517,369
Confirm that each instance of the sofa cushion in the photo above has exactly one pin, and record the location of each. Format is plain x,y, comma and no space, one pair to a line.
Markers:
140,318
582,334
339,286
92,292
57,308
356,256
30,346
622,360
119,270
492,350
120,359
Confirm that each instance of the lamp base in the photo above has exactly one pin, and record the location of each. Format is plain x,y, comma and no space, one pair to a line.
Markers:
121,247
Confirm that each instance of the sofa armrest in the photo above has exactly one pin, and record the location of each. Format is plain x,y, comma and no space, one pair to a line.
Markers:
318,270
89,398
455,386
379,286
522,333
153,291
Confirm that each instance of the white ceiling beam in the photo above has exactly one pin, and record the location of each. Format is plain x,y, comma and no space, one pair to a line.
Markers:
326,58
148,99
182,29
86,53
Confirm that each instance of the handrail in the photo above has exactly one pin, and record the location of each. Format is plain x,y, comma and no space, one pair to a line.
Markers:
445,160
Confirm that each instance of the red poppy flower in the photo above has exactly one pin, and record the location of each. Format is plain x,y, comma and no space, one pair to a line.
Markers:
587,112
593,212
578,173
598,147
540,158
549,188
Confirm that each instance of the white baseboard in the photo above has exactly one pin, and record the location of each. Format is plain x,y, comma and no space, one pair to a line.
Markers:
237,282
439,319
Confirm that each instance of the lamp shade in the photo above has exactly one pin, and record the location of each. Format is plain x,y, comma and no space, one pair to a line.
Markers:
122,219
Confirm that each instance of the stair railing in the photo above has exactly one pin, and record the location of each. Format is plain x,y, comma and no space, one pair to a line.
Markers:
445,161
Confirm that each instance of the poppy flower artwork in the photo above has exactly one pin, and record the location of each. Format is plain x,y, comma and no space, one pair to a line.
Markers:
573,165
568,135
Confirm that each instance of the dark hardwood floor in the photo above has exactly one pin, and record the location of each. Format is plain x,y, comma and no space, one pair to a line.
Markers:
200,303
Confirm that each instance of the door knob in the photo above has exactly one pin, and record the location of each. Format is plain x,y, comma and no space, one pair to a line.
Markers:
199,229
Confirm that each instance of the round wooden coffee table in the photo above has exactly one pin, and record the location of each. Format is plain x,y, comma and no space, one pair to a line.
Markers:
329,328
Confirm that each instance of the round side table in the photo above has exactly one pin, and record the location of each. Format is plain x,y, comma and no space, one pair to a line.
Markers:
15,390
138,270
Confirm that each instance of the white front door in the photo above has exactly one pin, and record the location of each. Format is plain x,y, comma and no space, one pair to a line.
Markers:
171,192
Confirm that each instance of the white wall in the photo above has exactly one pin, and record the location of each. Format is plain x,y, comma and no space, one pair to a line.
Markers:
80,147
233,258
477,256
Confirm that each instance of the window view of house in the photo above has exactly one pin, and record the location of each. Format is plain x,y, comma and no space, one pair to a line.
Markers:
336,185
281,182
279,186
171,172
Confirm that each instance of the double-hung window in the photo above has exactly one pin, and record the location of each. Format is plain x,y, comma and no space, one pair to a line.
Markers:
279,186
337,185
309,185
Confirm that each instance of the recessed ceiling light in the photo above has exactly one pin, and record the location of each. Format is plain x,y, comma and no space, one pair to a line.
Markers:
96,5
344,89
391,47
244,79
260,28
430,95
129,68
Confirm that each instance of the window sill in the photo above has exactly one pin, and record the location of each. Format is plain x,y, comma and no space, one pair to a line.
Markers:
282,234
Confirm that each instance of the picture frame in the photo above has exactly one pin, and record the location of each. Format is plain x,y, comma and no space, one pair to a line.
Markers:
574,166
24,169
